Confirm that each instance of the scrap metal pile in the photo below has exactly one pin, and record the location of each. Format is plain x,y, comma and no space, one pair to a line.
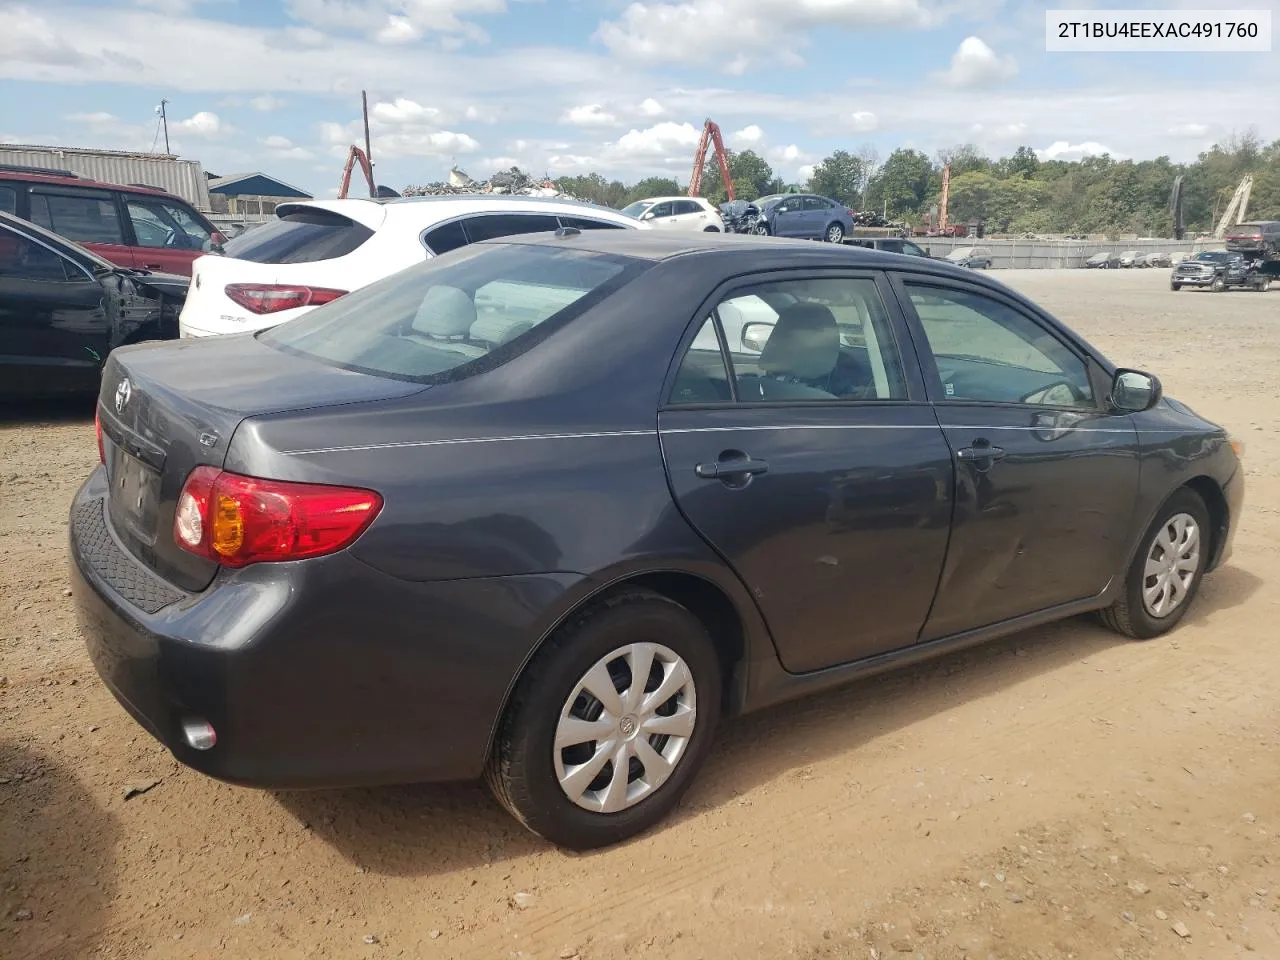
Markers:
513,181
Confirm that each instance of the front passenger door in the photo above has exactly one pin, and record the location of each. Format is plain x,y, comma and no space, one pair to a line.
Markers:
1046,475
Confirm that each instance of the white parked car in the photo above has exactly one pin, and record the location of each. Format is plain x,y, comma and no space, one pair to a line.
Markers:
677,213
317,250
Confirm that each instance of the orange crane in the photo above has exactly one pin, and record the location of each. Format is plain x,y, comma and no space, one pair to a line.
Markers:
366,167
710,134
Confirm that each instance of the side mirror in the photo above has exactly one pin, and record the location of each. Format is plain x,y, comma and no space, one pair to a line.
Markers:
1133,391
647,215
755,336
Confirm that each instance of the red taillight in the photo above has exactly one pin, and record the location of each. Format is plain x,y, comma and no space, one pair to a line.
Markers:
97,428
274,297
237,520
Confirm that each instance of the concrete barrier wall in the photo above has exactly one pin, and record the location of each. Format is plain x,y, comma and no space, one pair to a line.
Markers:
1058,254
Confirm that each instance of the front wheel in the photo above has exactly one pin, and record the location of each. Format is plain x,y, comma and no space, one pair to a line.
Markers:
1165,574
761,229
835,234
609,725
1218,285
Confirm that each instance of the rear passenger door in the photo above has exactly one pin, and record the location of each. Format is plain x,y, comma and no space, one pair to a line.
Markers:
812,462
92,218
689,215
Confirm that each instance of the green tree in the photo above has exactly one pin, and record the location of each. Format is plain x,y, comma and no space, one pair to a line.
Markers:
752,176
652,187
840,177
901,184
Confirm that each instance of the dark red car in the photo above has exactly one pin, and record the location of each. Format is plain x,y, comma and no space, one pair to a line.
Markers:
140,227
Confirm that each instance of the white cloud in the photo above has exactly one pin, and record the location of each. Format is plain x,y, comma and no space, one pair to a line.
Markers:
1192,130
404,111
864,121
1062,150
974,64
805,172
282,148
399,30
747,137
396,21
650,107
266,103
98,117
660,140
588,115
202,124
999,133
695,31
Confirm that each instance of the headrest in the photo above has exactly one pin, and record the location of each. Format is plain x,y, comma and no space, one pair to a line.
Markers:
445,312
804,344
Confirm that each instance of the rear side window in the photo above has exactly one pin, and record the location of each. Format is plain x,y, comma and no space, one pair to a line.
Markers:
444,238
8,200
452,317
23,259
496,225
300,236
582,223
82,219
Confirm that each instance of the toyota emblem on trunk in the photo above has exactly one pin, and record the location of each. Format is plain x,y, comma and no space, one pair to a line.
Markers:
123,392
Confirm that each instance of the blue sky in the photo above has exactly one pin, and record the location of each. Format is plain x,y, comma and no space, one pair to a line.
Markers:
619,87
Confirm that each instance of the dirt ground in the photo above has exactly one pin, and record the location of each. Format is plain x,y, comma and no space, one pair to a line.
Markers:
1064,793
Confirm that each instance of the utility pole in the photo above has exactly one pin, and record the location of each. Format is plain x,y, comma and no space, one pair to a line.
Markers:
164,122
368,144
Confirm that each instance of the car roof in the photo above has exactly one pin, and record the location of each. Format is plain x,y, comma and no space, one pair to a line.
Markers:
423,211
10,173
659,245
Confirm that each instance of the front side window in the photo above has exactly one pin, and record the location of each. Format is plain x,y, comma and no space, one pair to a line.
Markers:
801,340
79,218
23,259
8,200
664,209
163,225
989,352
430,322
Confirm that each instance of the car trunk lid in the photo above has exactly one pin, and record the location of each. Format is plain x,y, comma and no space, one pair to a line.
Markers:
166,408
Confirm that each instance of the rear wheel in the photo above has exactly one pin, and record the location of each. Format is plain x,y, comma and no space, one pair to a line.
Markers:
1165,574
1264,284
835,234
609,725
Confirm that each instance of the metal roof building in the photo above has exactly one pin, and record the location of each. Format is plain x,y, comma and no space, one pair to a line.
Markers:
186,178
251,193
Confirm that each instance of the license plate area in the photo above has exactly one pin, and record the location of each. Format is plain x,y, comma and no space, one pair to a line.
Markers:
134,499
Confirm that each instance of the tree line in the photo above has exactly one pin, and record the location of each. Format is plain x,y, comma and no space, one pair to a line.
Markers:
1016,194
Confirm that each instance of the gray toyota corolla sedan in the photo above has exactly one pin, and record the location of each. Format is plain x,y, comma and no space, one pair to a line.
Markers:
546,509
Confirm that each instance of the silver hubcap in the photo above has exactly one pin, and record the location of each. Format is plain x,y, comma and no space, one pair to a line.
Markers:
1172,562
834,234
625,727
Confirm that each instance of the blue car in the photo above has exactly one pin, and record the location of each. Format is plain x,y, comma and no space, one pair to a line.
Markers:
805,216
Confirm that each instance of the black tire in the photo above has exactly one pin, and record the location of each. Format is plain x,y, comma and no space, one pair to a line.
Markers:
1264,284
1218,285
521,771
711,230
834,233
1128,615
1175,287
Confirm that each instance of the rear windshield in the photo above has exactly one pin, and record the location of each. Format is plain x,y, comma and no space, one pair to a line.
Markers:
301,236
456,316
1245,230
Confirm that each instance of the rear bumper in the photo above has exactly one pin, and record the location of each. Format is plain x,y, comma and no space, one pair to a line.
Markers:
321,673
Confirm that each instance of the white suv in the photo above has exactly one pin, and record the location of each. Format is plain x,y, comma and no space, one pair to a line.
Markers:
677,213
317,250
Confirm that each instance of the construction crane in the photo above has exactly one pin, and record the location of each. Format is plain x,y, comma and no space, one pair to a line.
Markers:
710,134
942,203
1236,209
1175,209
354,156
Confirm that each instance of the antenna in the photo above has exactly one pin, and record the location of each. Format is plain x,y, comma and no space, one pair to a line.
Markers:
164,122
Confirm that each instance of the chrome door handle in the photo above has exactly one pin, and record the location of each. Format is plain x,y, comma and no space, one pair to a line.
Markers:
728,469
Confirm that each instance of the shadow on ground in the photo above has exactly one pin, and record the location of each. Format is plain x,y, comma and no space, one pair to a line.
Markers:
57,849
424,830
34,413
